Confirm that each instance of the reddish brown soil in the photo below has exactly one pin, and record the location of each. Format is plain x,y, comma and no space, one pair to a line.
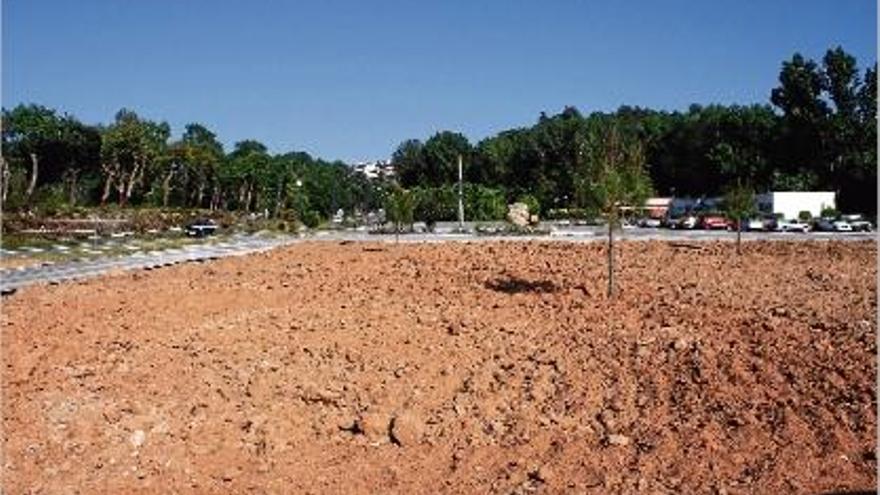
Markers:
464,368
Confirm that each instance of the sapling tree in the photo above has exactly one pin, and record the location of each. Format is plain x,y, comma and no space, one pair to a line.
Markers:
739,203
613,178
399,207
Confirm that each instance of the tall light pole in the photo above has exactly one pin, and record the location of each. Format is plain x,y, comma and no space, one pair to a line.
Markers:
460,197
299,199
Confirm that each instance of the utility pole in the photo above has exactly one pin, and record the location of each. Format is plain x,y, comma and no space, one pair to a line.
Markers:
460,198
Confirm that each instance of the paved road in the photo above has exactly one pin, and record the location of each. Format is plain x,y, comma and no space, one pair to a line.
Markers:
14,278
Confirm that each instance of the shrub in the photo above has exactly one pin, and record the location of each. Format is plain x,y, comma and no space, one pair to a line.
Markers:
311,219
484,203
532,202
50,199
805,216
435,204
439,204
830,213
399,208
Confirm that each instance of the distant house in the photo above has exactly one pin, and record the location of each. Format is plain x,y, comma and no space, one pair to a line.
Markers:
374,170
790,204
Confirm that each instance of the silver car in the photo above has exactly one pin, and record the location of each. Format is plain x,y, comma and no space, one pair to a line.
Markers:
857,223
755,224
831,225
792,226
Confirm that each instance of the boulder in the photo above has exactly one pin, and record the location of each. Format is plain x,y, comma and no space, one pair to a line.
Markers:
518,214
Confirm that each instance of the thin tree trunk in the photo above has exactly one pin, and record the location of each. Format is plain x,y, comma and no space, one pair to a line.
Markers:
610,258
120,191
278,198
166,188
242,194
134,178
34,170
71,192
107,183
200,194
4,177
738,237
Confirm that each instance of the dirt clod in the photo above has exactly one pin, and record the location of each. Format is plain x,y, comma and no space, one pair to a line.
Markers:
375,425
619,440
406,430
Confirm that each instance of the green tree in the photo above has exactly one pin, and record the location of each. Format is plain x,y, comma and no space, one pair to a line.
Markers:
614,178
409,163
850,149
130,148
399,208
739,204
492,160
202,156
435,204
841,80
441,154
805,114
53,147
244,170
484,203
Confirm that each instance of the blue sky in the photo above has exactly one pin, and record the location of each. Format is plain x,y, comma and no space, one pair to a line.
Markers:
352,79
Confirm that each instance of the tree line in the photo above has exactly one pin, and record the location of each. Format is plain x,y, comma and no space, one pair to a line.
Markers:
818,132
54,159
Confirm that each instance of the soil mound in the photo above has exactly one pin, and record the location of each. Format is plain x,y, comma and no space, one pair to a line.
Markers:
465,368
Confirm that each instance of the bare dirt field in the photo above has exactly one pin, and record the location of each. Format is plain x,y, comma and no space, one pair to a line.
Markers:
454,368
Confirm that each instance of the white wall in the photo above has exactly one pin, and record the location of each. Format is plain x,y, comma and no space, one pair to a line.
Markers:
791,203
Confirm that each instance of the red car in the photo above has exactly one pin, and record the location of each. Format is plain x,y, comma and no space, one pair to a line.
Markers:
714,222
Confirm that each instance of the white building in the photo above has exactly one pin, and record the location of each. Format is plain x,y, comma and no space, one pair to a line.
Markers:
375,169
789,204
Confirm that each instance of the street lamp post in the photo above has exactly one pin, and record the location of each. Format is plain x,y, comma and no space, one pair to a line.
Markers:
460,197
299,200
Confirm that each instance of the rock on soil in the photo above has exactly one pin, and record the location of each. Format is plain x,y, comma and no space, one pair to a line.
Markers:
137,438
618,440
375,425
406,430
328,368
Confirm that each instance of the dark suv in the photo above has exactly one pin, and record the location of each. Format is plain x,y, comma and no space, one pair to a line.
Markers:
201,227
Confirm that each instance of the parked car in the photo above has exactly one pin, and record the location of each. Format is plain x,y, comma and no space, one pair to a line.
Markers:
668,222
841,226
201,227
684,222
770,222
755,224
832,225
858,223
652,223
715,222
792,226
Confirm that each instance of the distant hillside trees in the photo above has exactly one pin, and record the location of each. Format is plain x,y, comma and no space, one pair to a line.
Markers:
818,132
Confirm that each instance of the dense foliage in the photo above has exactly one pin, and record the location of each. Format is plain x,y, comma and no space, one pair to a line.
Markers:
134,161
819,132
